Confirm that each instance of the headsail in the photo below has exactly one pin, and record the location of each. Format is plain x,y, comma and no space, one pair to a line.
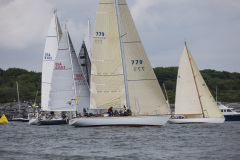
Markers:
193,97
145,94
209,105
69,90
121,71
53,37
187,100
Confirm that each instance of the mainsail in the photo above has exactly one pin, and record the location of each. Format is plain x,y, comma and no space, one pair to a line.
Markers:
121,71
193,97
85,62
53,37
69,89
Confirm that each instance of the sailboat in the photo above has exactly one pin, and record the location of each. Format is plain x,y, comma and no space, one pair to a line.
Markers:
51,46
121,74
194,102
50,51
69,90
18,118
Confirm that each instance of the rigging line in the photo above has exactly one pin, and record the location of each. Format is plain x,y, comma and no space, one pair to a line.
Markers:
124,35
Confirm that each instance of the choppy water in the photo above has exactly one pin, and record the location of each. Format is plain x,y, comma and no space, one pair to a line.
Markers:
173,141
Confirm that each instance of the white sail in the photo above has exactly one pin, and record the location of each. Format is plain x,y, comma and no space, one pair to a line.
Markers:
209,105
69,90
145,94
53,37
81,83
121,71
193,97
187,100
107,80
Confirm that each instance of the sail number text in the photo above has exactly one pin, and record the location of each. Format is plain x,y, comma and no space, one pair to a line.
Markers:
100,34
59,66
136,64
79,80
47,56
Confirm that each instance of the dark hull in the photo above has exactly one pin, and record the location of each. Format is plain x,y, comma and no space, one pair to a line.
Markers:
52,122
232,117
25,120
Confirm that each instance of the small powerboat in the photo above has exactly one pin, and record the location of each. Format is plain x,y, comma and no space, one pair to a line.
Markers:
229,113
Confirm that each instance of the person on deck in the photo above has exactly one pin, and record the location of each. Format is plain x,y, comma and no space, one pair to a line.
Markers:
110,112
124,110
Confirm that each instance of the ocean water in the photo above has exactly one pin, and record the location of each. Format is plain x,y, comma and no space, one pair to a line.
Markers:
22,141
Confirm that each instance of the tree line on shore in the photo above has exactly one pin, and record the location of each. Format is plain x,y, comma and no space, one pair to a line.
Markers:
29,83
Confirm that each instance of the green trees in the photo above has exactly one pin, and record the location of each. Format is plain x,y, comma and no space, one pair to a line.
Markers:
28,84
228,84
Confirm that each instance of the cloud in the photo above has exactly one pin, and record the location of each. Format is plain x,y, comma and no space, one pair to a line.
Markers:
211,29
22,22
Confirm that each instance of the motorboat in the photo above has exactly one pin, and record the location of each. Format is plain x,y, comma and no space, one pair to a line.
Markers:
229,113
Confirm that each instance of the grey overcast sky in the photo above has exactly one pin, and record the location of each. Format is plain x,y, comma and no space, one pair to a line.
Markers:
211,29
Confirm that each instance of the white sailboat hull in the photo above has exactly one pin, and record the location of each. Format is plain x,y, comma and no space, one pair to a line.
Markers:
133,121
196,120
33,121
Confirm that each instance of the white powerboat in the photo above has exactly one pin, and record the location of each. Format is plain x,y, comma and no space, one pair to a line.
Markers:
229,113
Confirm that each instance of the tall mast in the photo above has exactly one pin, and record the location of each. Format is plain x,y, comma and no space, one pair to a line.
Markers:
166,96
122,53
18,100
89,41
216,93
194,79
